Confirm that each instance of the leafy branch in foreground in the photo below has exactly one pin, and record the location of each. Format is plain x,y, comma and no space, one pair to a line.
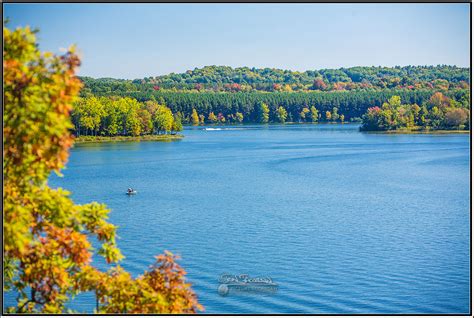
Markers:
47,252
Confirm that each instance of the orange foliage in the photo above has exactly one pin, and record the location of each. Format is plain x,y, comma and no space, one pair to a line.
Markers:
47,254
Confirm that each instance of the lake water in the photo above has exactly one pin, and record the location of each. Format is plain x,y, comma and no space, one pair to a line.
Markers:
342,221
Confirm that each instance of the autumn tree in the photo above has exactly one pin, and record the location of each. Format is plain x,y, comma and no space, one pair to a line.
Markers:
394,115
370,120
90,112
319,84
195,117
112,119
328,115
212,117
314,114
439,100
456,117
303,113
47,253
263,112
163,119
221,118
239,117
146,122
133,124
151,106
282,114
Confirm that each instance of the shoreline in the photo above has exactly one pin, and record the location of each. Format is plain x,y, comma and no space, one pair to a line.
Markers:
101,139
407,132
400,131
177,137
269,124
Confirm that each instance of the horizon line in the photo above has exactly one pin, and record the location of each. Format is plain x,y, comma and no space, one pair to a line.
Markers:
282,69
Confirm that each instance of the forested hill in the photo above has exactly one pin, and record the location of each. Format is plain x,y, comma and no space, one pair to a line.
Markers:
237,95
225,78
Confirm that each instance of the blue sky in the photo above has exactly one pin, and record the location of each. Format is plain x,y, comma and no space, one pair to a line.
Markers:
140,40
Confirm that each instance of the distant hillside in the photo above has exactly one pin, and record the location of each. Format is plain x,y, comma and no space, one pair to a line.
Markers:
227,91
225,78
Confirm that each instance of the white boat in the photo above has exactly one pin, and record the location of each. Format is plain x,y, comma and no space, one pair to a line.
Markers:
131,192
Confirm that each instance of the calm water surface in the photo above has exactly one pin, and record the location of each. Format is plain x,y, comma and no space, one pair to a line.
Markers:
342,221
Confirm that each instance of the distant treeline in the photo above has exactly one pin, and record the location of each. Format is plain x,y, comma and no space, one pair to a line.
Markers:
245,79
115,116
352,104
126,116
236,95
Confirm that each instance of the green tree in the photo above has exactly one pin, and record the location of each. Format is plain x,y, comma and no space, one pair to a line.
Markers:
436,118
334,114
422,117
177,124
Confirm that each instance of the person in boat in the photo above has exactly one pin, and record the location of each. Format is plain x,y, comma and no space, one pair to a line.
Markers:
130,190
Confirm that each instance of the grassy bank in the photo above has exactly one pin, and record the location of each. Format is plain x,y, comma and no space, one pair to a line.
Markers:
91,139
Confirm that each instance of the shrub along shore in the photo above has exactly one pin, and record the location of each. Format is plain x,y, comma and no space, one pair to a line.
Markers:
95,139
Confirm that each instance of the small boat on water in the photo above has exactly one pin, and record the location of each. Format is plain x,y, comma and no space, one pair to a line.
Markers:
130,191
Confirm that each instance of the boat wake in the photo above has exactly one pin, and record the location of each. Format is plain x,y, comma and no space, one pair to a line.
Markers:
212,129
